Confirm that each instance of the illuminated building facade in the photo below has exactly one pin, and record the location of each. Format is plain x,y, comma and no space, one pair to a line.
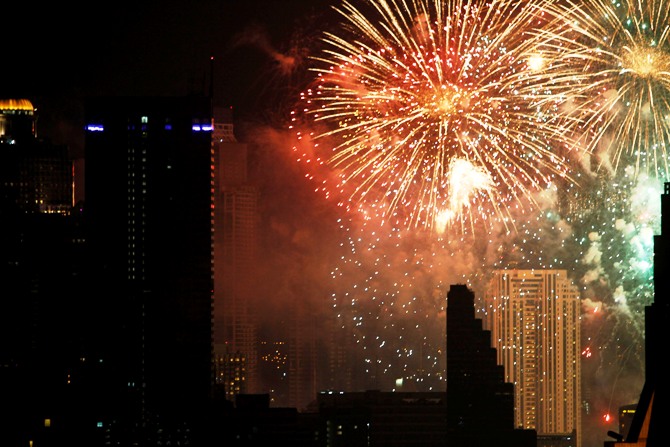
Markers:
236,222
17,121
36,176
534,319
149,182
231,373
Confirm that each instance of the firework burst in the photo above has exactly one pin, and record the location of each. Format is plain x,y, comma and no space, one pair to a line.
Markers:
608,65
438,114
417,112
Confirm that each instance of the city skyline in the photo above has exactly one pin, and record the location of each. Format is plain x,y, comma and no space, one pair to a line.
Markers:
599,232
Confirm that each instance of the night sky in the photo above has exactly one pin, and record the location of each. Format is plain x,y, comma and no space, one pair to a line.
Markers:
59,53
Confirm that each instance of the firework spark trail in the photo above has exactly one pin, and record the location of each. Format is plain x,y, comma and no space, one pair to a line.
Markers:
410,87
613,219
396,112
390,294
607,71
608,66
389,289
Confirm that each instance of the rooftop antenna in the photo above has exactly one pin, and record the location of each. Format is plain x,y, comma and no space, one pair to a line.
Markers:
211,77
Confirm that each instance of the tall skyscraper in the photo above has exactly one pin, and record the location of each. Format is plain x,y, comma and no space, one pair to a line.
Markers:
534,319
149,185
480,402
243,362
236,222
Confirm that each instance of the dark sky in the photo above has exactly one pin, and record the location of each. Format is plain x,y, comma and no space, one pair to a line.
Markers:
59,53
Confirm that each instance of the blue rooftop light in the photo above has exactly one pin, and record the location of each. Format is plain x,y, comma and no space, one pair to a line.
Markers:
202,127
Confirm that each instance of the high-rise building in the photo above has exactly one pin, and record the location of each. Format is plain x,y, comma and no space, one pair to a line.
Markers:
647,429
36,175
288,370
480,402
534,319
236,222
149,191
302,361
17,120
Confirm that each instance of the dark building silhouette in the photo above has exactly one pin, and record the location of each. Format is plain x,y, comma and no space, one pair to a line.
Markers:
113,315
149,211
477,409
251,421
383,419
480,404
652,412
626,415
41,247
